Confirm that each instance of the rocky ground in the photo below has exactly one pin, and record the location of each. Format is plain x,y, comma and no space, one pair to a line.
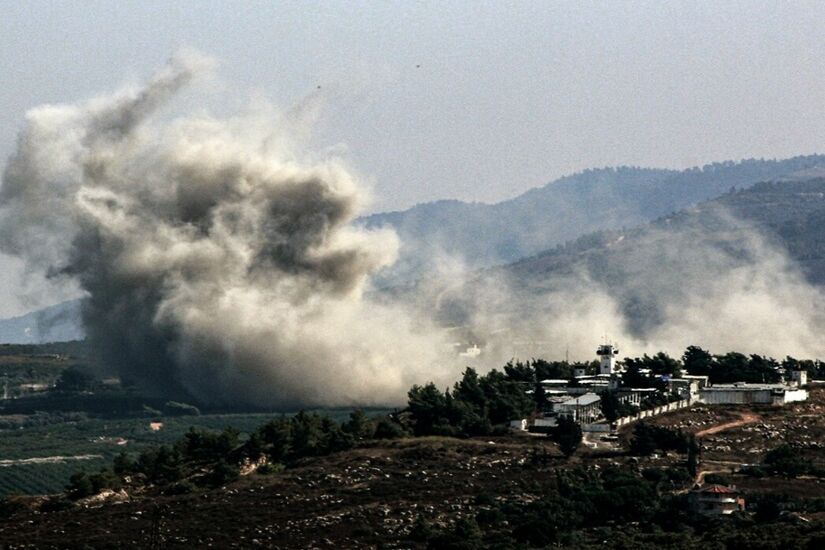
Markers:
353,499
743,435
372,496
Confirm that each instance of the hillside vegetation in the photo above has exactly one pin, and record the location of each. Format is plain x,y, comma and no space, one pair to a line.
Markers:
338,486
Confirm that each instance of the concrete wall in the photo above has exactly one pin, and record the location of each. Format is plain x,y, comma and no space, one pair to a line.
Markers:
596,427
544,422
743,396
736,397
674,406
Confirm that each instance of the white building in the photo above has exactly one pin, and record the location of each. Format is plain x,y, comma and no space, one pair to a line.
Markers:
687,388
741,393
634,396
583,409
716,500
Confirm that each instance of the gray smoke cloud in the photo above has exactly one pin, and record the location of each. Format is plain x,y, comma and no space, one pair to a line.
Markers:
218,261
704,278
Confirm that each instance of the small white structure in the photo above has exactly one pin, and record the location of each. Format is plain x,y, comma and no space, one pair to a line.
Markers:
685,387
716,500
471,352
519,425
546,422
800,377
701,380
607,358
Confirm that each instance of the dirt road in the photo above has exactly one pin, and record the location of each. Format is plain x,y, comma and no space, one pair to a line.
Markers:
744,418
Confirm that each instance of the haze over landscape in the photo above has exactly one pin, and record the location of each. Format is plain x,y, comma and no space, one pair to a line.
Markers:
454,275
543,92
221,259
148,202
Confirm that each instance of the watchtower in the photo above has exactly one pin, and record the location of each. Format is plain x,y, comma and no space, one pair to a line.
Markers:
607,358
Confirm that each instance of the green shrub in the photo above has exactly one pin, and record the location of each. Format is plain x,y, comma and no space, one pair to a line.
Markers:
10,506
422,530
184,487
359,425
568,435
79,486
716,479
203,445
386,428
270,468
123,464
223,473
785,460
150,412
647,438
55,504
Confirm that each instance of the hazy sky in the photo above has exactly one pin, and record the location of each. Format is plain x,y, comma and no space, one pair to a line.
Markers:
508,95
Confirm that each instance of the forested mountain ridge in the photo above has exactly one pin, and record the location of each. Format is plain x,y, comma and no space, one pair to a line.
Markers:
758,250
571,224
483,235
791,214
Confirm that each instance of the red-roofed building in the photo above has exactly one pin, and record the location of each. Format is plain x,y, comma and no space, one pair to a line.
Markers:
716,500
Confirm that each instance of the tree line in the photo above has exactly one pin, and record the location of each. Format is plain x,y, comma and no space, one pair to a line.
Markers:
476,405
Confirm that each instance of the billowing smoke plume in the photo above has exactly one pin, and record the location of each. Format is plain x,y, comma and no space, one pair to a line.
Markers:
703,278
217,262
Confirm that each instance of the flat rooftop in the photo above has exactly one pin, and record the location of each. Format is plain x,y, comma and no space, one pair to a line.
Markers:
743,386
586,399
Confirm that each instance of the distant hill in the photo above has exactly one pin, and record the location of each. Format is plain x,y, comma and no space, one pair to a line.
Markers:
750,242
59,323
612,198
567,224
789,214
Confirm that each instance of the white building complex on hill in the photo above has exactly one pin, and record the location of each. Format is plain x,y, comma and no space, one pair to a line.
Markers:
580,398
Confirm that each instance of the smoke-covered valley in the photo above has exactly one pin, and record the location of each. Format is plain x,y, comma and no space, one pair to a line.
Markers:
220,260
742,272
